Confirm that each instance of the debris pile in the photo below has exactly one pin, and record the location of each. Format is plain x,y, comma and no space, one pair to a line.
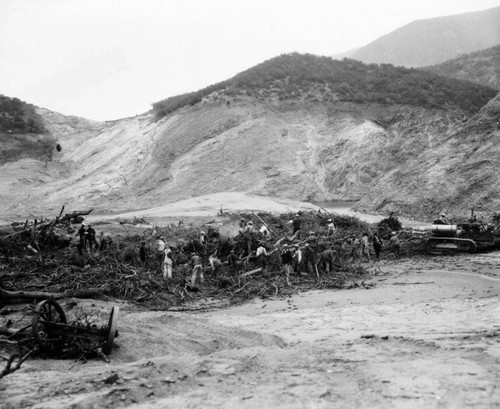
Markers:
45,259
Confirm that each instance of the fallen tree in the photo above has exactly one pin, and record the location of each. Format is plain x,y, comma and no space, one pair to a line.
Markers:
14,297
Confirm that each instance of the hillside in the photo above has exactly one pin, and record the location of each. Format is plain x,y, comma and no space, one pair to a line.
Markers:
304,141
481,67
310,78
432,41
458,173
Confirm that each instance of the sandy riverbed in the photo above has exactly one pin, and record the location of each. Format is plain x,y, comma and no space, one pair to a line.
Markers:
425,336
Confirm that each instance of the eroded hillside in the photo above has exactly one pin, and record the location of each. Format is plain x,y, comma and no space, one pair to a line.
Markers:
299,134
460,172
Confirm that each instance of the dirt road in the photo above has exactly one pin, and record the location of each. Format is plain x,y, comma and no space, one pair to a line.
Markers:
427,335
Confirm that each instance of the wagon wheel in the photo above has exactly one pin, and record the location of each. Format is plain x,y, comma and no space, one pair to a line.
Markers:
112,330
47,312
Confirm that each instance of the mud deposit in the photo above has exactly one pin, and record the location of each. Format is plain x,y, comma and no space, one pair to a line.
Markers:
426,335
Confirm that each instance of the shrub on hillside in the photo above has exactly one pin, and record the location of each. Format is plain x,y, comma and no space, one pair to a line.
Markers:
17,116
293,76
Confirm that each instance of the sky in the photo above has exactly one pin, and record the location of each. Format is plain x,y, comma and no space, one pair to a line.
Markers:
109,59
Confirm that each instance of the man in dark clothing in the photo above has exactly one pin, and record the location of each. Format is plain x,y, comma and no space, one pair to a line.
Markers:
377,245
143,253
83,242
234,262
91,238
297,225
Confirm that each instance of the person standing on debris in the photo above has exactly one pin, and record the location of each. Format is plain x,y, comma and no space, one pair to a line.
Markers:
248,236
143,253
297,225
197,269
395,245
326,260
160,252
297,259
264,231
355,247
82,234
377,245
286,260
216,265
365,247
91,238
242,224
167,263
262,256
234,262
331,228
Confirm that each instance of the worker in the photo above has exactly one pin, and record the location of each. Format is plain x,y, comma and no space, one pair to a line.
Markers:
355,248
326,260
215,264
365,248
167,263
296,225
286,261
331,228
91,237
248,236
160,252
297,259
143,253
234,262
197,269
377,244
395,245
242,224
264,231
262,256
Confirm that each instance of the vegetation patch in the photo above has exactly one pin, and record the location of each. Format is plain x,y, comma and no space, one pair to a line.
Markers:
309,77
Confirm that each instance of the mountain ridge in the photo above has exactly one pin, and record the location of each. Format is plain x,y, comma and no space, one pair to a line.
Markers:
481,67
432,41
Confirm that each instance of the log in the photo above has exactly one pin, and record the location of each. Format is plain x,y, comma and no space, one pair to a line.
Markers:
263,222
249,273
13,297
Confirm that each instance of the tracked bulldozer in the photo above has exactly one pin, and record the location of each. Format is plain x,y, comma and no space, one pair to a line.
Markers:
469,236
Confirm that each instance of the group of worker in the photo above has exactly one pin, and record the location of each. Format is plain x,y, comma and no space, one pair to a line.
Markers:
311,255
87,238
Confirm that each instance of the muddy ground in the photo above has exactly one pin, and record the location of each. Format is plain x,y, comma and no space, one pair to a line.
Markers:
425,335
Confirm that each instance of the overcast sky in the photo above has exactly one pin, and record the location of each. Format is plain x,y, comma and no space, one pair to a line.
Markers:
108,59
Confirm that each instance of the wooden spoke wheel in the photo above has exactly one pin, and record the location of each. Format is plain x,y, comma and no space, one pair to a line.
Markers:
44,328
112,330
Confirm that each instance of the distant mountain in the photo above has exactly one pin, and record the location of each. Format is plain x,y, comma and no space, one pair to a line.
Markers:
296,127
481,67
432,41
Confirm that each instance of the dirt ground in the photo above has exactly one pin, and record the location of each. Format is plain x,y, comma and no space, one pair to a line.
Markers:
425,335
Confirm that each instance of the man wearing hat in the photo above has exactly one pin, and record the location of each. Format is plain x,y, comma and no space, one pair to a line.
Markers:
197,268
160,252
394,243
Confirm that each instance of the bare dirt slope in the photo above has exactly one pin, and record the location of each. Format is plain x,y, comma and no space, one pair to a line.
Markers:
426,336
301,151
